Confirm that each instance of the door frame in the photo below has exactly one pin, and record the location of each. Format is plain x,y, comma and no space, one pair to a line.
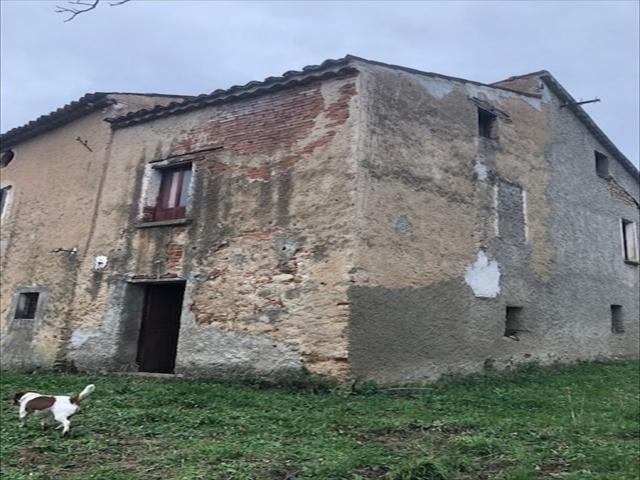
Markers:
131,314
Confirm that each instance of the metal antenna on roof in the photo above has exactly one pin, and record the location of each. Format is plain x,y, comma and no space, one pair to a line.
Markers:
580,102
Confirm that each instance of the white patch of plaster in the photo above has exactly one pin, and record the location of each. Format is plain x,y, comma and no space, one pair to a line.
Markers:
483,276
492,94
150,188
481,170
100,262
532,101
546,93
437,87
524,214
119,106
79,337
496,220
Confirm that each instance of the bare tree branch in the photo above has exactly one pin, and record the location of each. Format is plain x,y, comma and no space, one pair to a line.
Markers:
87,4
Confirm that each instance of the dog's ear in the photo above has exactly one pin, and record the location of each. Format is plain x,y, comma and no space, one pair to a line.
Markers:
17,397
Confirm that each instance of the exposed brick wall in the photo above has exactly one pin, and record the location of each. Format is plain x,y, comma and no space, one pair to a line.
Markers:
261,125
295,122
253,246
175,252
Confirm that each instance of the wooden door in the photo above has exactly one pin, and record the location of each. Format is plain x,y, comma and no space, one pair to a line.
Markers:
158,340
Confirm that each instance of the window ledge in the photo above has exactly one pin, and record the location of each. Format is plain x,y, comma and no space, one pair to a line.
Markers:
632,262
165,223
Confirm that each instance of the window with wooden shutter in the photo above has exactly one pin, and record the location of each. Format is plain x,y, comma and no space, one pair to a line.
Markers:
3,199
629,241
173,194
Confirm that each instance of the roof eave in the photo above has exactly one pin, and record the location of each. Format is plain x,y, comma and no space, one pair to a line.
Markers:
584,117
328,69
86,104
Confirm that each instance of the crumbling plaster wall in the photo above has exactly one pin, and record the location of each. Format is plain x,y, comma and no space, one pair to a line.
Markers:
54,182
46,214
434,272
267,252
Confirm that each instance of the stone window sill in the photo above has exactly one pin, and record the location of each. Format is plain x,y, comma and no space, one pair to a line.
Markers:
632,262
165,223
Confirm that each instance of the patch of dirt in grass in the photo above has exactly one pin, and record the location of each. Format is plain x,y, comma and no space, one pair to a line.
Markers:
414,431
554,468
627,436
371,473
29,454
490,467
277,474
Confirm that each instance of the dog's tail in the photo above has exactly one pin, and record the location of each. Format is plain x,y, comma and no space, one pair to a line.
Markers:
88,390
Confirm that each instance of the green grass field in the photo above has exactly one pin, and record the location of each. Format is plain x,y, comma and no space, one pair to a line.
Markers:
569,422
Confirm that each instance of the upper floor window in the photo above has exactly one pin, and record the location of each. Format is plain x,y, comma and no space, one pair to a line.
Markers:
6,157
27,305
486,123
4,194
173,194
629,241
602,165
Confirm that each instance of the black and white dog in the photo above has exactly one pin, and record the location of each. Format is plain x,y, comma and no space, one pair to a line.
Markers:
62,407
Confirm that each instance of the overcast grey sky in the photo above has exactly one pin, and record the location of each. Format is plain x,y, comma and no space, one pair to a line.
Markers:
187,47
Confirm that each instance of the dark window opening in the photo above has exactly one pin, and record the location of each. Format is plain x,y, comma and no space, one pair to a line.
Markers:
6,157
486,124
617,325
27,305
602,165
513,323
174,194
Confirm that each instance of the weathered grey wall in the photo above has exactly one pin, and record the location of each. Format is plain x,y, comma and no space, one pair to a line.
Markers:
267,251
589,273
454,228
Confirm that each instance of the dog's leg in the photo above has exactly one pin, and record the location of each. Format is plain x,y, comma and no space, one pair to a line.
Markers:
23,417
64,423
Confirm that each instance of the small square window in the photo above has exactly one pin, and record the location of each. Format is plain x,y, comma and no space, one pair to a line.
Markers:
617,324
27,305
486,123
513,323
174,194
602,165
629,241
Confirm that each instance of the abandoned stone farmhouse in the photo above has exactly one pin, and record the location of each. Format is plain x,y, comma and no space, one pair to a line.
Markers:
355,219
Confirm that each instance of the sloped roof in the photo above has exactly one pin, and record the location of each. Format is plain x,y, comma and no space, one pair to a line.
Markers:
523,81
588,122
328,68
65,114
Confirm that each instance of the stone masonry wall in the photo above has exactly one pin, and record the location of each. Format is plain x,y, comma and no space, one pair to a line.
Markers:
267,251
